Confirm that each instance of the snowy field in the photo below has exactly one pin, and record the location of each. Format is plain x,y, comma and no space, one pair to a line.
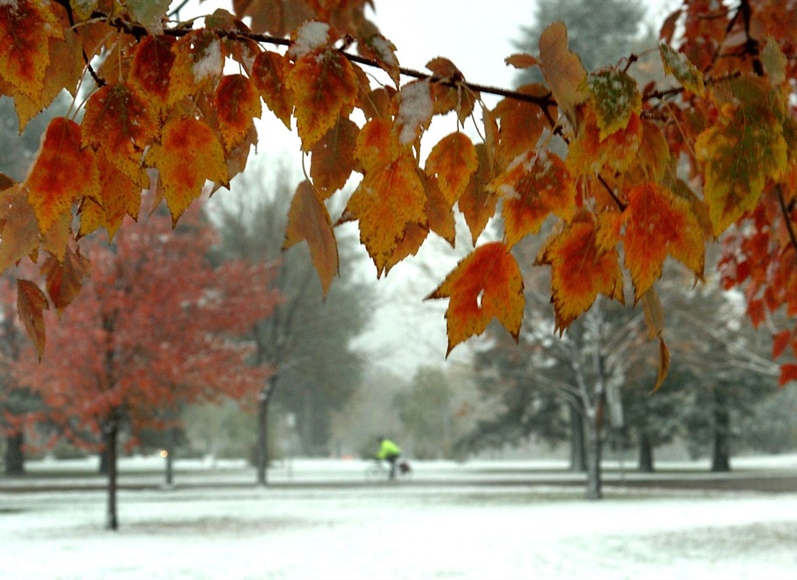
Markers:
320,520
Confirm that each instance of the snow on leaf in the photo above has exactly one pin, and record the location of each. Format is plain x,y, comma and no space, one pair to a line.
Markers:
308,219
452,160
151,68
580,270
269,72
739,152
26,27
383,52
62,173
188,155
486,284
657,224
478,203
415,111
19,228
148,13
31,304
535,185
198,59
324,87
310,37
237,105
677,64
562,68
333,157
387,201
615,98
120,122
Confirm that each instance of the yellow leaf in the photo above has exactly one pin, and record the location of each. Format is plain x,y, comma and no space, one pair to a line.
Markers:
452,160
20,228
562,68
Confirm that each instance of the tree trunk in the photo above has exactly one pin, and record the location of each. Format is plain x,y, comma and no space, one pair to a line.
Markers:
645,453
262,436
721,453
112,435
105,459
594,476
14,456
578,458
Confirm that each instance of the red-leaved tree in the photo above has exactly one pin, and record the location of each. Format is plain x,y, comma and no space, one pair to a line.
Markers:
155,325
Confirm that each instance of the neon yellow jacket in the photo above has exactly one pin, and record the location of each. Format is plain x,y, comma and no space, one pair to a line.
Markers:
387,449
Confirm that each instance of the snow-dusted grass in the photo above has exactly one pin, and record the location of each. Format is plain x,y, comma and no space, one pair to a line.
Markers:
422,530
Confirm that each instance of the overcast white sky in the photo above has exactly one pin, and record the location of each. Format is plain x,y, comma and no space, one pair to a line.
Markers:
476,35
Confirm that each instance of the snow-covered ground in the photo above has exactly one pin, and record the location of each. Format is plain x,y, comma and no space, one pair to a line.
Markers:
425,529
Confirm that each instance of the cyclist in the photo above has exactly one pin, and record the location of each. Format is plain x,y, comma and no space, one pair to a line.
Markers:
390,452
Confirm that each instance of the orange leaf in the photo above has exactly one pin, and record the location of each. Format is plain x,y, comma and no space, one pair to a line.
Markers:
779,343
664,364
579,270
151,69
119,196
788,373
413,239
376,144
65,278
521,123
383,52
562,68
452,160
486,284
478,203
309,220
439,212
268,74
521,60
20,228
31,304
534,185
659,223
237,105
588,154
333,157
62,173
387,201
120,122
26,27
324,86
188,155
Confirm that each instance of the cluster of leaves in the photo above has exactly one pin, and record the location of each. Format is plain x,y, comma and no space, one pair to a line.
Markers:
165,105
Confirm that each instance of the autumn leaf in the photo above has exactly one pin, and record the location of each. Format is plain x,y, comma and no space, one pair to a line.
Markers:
521,60
387,201
119,196
65,278
535,185
19,236
324,86
452,161
589,155
198,61
580,269
439,213
677,64
615,98
788,373
416,108
333,157
62,173
654,313
743,149
562,68
151,69
122,124
308,219
664,364
188,155
477,202
486,284
269,72
376,144
383,52
237,105
658,223
521,123
26,27
31,304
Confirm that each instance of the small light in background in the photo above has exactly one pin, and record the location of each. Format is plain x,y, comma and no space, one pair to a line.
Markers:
164,453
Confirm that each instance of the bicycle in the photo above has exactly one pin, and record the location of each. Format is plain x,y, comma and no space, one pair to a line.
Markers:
378,470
